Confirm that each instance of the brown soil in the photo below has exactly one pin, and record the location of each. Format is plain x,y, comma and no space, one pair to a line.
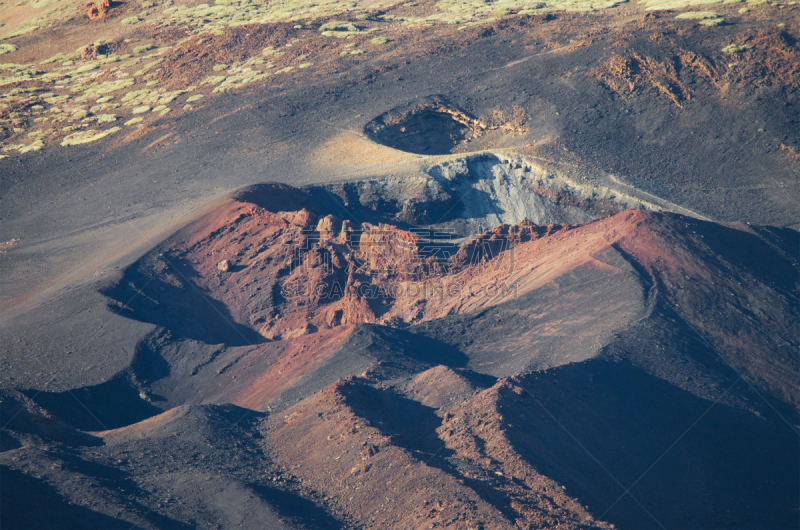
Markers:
305,356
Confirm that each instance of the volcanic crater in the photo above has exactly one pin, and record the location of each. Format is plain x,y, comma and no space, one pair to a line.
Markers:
482,341
415,319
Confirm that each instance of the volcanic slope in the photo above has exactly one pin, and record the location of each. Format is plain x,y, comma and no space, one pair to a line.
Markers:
319,371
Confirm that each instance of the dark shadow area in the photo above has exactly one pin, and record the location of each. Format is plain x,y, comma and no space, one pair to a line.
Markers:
110,405
786,239
477,379
243,419
431,127
410,424
147,364
769,262
428,132
414,346
690,462
107,476
161,291
302,513
27,502
8,442
556,323
383,202
347,201
393,353
20,417
277,198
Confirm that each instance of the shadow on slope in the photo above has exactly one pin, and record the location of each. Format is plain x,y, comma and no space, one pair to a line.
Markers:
410,424
390,352
433,126
160,290
21,415
109,405
30,503
600,427
555,324
413,426
301,512
771,254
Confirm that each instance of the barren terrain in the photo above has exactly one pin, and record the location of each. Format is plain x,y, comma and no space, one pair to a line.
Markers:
454,264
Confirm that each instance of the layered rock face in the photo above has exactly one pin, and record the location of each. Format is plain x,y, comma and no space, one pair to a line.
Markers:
337,372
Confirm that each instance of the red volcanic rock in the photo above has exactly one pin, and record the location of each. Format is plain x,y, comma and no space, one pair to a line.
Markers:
329,443
98,10
295,278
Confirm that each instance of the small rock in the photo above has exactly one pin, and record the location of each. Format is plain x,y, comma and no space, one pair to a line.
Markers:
224,265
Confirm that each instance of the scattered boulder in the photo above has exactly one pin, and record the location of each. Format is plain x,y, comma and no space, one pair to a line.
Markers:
99,10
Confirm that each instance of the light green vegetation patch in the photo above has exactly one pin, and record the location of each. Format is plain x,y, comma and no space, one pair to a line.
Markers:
134,121
658,5
229,13
213,80
143,99
713,22
149,66
698,15
335,25
88,136
88,67
459,11
79,97
28,26
37,4
53,15
54,58
37,145
220,67
272,52
7,48
112,86
736,48
299,9
241,78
